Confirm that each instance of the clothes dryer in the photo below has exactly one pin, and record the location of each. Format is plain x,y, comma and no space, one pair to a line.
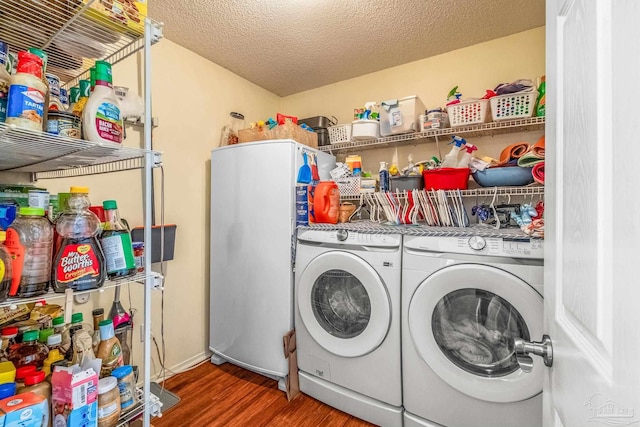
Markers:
347,322
464,301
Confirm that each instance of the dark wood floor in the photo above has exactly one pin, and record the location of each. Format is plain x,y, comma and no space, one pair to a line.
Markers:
227,395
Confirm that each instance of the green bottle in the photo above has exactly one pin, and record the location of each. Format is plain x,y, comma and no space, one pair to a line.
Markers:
540,103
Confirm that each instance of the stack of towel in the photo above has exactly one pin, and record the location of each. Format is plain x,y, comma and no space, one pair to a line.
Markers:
534,158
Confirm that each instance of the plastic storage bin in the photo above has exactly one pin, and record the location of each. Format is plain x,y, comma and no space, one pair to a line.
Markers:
468,112
365,129
513,105
401,115
401,183
446,179
339,134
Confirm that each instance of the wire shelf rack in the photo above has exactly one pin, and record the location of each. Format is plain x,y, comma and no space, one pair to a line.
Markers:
484,129
53,156
72,33
154,404
13,303
532,190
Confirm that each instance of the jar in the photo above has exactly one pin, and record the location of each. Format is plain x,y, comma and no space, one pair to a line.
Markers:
27,93
230,130
30,242
64,124
36,384
54,342
7,372
108,402
126,386
138,255
64,98
6,270
30,352
8,335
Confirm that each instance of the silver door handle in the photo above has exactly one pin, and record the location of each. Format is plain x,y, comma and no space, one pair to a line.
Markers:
523,349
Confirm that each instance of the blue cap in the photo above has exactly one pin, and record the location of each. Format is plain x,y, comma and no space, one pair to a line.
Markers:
4,49
7,390
122,371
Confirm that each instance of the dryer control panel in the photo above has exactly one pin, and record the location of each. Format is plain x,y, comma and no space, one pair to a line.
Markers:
345,237
514,247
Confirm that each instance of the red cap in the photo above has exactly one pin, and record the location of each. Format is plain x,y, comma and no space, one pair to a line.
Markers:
29,63
9,330
99,211
34,378
23,371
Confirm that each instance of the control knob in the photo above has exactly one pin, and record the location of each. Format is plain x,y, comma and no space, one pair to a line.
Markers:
477,243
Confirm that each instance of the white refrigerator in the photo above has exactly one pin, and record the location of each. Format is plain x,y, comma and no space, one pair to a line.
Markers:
252,225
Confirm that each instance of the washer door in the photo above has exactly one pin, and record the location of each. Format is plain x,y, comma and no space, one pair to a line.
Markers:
463,319
344,304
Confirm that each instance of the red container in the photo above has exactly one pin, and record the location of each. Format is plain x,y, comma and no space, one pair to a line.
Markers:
446,179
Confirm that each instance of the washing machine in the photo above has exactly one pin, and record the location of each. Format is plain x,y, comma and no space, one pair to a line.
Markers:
464,301
347,292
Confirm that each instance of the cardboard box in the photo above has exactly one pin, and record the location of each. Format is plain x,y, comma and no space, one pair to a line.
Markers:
74,397
24,410
286,131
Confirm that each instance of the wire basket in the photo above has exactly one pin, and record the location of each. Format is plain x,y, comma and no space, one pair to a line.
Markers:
513,105
339,134
348,186
341,171
468,112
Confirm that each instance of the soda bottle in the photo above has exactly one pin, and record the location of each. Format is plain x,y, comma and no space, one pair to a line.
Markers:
116,243
79,263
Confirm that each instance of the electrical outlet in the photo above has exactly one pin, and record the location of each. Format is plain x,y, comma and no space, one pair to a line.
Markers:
82,298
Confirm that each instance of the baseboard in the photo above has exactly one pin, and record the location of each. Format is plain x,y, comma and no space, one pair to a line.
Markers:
184,365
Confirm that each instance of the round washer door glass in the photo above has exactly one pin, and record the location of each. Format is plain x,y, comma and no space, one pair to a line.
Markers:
341,304
344,304
475,330
461,319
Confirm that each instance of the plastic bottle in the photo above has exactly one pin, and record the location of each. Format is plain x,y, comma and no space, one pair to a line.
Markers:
22,372
61,328
27,94
109,350
30,352
541,101
116,243
92,78
54,342
45,59
36,384
74,96
30,242
384,177
4,81
466,156
7,390
44,334
5,268
98,316
79,262
53,357
451,159
8,335
85,90
101,117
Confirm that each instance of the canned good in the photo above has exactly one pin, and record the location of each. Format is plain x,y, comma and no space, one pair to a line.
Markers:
54,84
138,255
64,98
64,124
39,199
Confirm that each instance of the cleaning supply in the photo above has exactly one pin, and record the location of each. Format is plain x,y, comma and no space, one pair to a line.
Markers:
451,159
466,156
304,173
384,177
393,169
326,202
540,103
101,117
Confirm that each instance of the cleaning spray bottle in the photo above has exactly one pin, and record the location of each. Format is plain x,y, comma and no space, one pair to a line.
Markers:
384,177
451,159
466,156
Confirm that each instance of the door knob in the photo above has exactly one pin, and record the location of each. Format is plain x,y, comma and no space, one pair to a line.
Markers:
523,349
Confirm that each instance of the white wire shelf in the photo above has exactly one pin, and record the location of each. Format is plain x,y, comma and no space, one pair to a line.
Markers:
12,303
53,156
484,129
531,190
154,404
72,33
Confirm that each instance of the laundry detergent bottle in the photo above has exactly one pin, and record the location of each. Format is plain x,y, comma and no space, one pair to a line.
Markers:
101,117
326,202
79,262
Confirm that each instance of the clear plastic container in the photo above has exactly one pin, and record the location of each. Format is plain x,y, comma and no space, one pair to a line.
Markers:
30,242
116,243
30,352
79,263
230,130
127,386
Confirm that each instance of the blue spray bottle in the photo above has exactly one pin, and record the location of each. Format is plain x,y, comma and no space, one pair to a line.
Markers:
384,177
451,159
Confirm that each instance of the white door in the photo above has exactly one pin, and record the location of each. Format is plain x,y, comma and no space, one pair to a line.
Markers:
592,284
344,304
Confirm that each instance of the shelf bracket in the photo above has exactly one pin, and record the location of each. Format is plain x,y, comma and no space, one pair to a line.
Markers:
157,159
156,32
157,281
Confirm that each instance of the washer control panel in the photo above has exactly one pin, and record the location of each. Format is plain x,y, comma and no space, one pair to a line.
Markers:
514,247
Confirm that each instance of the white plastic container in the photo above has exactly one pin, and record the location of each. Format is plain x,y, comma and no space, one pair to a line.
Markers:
101,116
401,115
365,129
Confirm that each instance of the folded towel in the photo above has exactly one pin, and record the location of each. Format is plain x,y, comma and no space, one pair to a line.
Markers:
538,148
538,173
534,156
513,152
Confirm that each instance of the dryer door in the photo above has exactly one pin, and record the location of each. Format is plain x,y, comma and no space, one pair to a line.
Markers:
344,304
463,319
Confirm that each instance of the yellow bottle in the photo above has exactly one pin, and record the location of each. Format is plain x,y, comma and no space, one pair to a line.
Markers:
53,357
85,91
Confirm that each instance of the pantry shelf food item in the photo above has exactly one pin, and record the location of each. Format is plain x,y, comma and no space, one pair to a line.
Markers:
27,93
101,117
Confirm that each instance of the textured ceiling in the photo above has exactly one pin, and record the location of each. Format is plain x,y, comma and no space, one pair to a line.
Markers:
289,46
